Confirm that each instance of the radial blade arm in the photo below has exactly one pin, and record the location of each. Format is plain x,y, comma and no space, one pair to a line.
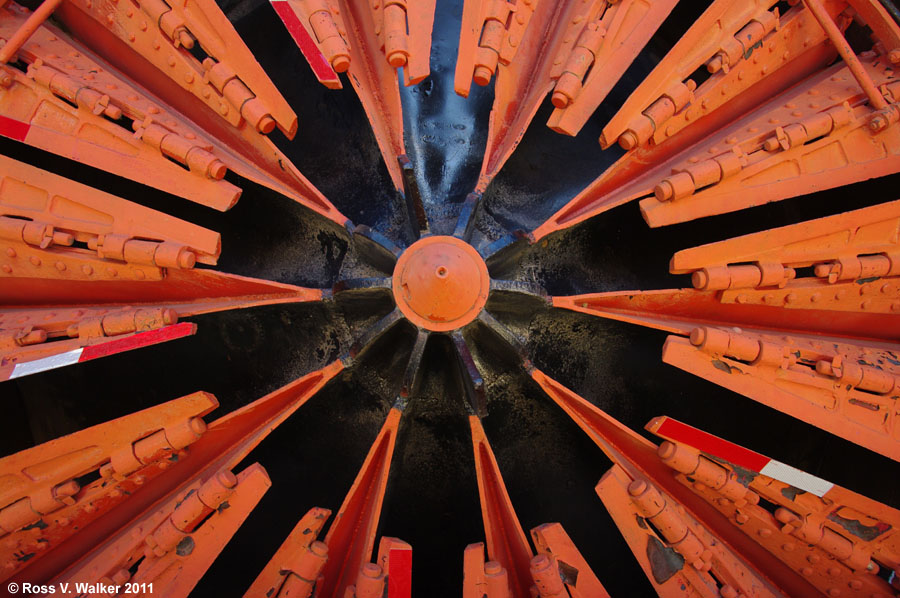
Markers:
506,542
604,50
135,500
295,567
564,562
59,322
790,310
40,483
724,39
845,247
229,81
177,571
60,213
844,538
847,389
351,537
697,532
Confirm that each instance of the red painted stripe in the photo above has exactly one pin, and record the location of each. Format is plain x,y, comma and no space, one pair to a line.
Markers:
320,65
678,432
12,128
136,341
400,574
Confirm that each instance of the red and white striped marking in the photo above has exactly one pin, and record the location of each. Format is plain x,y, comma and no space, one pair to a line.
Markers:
676,431
119,345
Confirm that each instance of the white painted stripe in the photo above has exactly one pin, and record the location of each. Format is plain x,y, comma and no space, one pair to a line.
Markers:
796,478
45,363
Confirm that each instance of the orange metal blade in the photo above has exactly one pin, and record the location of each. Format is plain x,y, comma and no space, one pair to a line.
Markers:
244,141
376,84
844,538
297,563
369,42
781,150
741,43
107,540
42,477
523,83
682,310
44,318
37,109
506,541
550,46
835,242
775,358
623,31
636,459
323,45
189,292
847,389
58,213
552,540
351,537
175,574
420,22
229,81
722,573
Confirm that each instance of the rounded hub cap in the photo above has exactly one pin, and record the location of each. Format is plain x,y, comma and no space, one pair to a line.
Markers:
440,283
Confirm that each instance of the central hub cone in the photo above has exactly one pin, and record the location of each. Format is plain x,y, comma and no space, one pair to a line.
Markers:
440,283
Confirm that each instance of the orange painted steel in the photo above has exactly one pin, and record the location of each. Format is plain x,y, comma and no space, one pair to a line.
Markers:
775,359
42,318
846,247
681,557
296,567
351,536
605,48
780,150
63,222
682,310
728,145
402,28
36,108
35,19
740,43
483,579
176,571
835,538
712,545
103,542
153,39
440,283
369,41
536,47
507,546
820,349
844,388
188,292
379,579
173,547
39,484
568,566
